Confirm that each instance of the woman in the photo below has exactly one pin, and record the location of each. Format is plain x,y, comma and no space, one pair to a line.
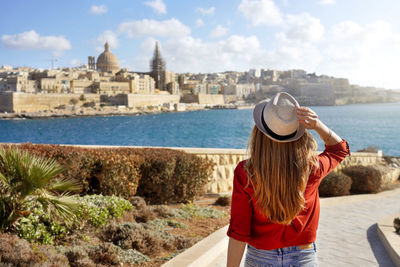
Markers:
275,203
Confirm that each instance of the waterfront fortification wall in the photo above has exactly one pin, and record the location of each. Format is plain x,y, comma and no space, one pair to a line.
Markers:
138,100
211,99
22,102
206,99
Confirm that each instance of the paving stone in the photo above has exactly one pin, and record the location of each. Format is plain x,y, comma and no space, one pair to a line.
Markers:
347,231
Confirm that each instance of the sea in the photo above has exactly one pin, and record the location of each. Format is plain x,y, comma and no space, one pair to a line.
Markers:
362,125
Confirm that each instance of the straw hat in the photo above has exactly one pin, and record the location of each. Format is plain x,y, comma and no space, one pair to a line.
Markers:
277,118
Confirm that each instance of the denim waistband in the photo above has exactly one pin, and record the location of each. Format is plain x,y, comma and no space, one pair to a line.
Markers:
287,256
278,251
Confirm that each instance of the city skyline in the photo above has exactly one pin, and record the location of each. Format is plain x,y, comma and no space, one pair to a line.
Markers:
352,39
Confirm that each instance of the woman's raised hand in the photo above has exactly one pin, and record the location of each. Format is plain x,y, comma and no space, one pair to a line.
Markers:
307,117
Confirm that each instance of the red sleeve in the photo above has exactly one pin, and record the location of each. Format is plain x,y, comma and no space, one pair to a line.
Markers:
241,207
330,158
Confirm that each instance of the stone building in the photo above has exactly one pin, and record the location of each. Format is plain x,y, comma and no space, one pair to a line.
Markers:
107,61
18,82
213,88
139,83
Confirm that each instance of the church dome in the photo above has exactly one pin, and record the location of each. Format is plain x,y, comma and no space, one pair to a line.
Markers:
107,61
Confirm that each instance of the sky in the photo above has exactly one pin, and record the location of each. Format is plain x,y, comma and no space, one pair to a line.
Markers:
354,39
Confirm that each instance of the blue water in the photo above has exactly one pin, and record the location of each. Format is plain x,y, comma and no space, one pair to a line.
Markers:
361,125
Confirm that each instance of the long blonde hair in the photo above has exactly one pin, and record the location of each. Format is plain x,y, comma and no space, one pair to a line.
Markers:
279,174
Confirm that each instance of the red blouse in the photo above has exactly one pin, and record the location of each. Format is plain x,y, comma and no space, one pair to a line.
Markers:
248,225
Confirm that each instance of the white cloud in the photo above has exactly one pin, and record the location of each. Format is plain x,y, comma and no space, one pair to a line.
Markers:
158,6
302,28
285,2
166,28
206,11
368,54
219,31
107,36
98,10
199,23
187,53
300,56
240,44
347,30
327,2
149,44
261,12
32,40
235,52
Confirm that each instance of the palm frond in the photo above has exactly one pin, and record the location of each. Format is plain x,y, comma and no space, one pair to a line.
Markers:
64,185
26,178
64,207
42,170
8,169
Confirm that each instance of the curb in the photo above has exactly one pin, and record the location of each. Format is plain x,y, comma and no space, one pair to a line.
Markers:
389,238
203,253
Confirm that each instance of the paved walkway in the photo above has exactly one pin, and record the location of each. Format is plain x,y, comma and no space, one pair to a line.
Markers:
347,234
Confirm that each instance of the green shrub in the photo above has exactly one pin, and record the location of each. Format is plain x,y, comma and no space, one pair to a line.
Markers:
176,224
141,212
134,236
365,179
223,201
110,171
148,238
159,175
18,252
170,176
160,224
27,180
335,184
161,210
193,211
132,256
106,253
39,227
96,210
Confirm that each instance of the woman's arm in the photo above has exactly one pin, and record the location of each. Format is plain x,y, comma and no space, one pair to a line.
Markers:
310,120
235,252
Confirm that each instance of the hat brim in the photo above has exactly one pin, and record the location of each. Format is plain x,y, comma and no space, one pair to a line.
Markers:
257,114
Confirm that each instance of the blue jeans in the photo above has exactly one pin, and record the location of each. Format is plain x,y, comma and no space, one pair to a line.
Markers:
281,257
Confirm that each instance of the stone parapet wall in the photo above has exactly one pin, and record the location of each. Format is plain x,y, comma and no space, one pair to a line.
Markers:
140,100
227,159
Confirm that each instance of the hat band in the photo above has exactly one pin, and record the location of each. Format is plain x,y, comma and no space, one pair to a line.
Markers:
271,133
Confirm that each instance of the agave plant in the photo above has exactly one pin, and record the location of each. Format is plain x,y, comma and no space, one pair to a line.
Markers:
25,178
